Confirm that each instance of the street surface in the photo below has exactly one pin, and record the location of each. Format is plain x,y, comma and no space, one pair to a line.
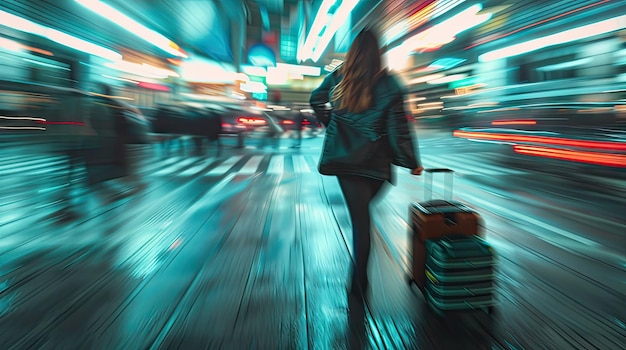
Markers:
250,248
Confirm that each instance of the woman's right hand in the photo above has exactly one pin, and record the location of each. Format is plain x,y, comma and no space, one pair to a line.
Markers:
417,171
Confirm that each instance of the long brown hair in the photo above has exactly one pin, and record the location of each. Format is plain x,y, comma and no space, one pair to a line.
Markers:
360,70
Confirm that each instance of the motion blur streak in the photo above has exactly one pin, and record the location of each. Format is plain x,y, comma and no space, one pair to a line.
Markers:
133,26
514,122
613,160
609,146
536,24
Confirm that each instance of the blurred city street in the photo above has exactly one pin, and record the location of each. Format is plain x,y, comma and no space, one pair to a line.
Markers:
159,182
250,248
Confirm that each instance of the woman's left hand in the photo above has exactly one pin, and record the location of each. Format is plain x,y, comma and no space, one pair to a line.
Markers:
417,171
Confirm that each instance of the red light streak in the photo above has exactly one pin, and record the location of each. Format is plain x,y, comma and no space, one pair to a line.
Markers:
536,24
605,159
152,86
41,51
174,61
514,122
288,122
61,123
254,121
609,146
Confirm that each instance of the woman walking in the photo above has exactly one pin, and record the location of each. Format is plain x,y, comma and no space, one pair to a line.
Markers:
367,132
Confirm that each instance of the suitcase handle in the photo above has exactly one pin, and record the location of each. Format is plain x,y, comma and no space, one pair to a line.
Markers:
447,187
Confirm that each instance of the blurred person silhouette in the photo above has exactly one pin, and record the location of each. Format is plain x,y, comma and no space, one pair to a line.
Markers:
272,133
121,129
107,157
313,124
366,132
298,123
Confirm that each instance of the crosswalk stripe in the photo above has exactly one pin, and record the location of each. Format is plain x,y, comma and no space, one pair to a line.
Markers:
31,168
251,165
22,158
196,169
54,170
299,164
176,167
25,165
159,164
47,170
225,166
277,165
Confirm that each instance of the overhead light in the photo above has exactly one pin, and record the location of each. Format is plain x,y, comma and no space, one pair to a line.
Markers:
334,23
566,36
207,71
143,69
333,65
242,77
10,45
426,78
446,31
27,26
279,108
253,86
427,13
14,46
133,26
157,70
447,79
299,69
435,37
238,95
22,24
121,79
565,65
319,22
446,63
276,76
324,27
256,71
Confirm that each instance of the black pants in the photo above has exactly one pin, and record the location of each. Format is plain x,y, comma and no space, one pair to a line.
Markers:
358,192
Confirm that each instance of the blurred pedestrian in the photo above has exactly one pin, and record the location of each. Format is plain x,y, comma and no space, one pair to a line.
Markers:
272,134
366,132
298,123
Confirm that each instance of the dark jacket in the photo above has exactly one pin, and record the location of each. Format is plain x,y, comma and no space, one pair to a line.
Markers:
386,116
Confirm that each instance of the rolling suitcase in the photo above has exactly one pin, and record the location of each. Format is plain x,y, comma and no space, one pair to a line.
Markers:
459,273
433,219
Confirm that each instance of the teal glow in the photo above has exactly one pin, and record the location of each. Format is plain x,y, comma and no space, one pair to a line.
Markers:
446,63
570,35
463,82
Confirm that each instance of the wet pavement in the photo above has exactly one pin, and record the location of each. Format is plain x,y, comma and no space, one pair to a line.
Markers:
250,248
